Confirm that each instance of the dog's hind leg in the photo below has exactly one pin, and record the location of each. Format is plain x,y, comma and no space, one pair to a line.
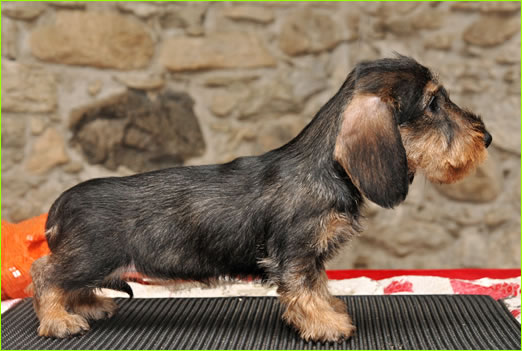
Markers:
50,303
91,306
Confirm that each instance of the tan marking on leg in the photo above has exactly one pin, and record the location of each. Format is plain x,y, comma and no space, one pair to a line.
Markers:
311,312
55,321
338,305
38,273
91,306
334,225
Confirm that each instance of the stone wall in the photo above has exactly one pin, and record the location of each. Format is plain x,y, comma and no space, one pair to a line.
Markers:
102,89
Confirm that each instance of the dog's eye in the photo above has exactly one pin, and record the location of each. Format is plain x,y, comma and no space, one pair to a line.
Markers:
433,104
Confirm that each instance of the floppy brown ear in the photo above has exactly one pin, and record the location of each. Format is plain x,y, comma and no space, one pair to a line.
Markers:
370,149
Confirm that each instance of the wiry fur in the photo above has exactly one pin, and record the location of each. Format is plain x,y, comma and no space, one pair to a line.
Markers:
278,216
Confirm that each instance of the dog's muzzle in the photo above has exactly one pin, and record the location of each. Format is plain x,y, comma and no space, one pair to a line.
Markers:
487,139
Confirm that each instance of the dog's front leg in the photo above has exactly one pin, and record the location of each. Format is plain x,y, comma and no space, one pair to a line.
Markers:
311,309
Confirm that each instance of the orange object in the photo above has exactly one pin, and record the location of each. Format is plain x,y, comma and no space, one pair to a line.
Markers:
22,244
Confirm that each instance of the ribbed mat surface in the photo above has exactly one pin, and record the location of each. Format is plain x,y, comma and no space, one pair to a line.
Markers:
383,322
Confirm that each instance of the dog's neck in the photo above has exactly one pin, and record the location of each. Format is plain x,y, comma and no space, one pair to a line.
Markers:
316,142
311,156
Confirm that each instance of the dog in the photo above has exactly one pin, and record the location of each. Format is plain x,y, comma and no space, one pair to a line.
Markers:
278,216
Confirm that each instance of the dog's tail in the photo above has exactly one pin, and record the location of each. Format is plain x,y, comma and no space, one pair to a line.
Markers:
118,285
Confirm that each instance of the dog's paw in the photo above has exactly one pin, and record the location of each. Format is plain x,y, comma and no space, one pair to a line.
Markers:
99,308
63,325
338,305
332,330
340,334
337,335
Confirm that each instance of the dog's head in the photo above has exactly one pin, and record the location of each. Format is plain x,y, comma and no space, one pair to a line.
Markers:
398,119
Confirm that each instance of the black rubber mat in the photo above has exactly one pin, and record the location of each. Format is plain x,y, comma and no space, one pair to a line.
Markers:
383,322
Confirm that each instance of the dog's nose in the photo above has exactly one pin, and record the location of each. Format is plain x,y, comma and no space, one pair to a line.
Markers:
487,139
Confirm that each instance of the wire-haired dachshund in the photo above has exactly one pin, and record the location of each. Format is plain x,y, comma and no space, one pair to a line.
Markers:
278,216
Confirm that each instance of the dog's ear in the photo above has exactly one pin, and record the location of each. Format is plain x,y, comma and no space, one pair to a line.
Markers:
370,149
